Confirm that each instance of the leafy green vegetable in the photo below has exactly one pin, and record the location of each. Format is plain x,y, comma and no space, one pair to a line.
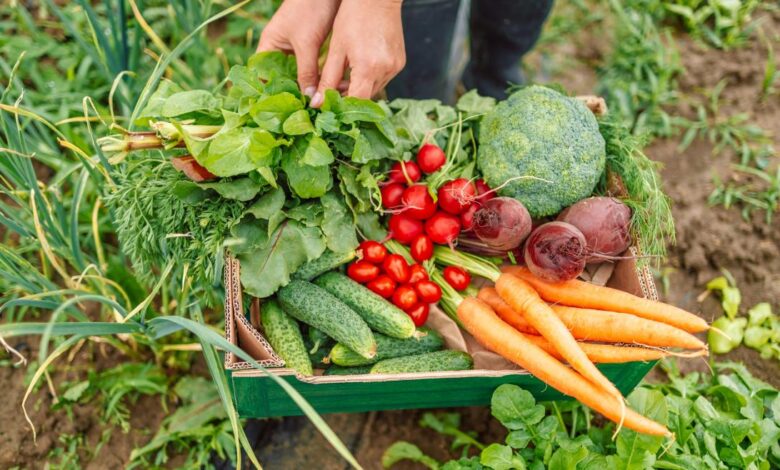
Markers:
729,420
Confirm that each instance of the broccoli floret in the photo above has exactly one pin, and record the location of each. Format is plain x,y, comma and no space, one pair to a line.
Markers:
541,133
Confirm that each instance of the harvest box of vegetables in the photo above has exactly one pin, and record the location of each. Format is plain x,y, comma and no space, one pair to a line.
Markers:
405,254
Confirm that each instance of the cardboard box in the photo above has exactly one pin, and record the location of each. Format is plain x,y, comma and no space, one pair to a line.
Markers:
258,396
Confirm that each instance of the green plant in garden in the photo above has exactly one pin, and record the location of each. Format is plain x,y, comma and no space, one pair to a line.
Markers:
639,77
724,24
760,330
729,420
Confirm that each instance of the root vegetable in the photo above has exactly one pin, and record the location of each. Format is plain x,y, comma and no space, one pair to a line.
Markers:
404,228
456,196
556,251
404,173
502,223
605,224
417,202
443,228
430,158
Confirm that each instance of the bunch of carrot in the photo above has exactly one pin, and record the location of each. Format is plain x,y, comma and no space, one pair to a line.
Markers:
514,319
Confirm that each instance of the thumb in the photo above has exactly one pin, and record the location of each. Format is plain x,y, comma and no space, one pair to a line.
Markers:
308,69
332,73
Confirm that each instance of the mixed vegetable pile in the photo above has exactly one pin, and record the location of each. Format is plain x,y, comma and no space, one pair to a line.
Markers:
522,194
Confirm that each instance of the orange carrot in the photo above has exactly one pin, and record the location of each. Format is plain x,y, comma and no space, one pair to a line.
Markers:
599,325
582,294
519,295
611,354
479,320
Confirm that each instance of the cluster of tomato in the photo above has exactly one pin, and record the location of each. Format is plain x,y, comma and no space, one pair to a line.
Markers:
391,277
419,221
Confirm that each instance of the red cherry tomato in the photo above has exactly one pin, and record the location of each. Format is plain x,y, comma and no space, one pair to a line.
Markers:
382,285
421,248
467,217
430,158
456,277
419,314
483,191
418,274
391,195
397,268
405,297
373,252
405,173
429,292
404,228
362,271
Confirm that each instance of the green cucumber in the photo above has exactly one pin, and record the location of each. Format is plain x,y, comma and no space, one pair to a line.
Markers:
318,308
338,370
427,362
318,344
381,315
326,262
426,340
285,337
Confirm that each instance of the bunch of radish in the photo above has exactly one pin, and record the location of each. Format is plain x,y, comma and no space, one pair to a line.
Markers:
391,277
417,219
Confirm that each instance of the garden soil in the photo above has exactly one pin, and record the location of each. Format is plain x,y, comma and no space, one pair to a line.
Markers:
709,240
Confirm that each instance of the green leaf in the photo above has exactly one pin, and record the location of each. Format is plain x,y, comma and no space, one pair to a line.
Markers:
471,103
75,392
351,109
403,450
249,235
369,226
268,205
733,330
316,153
634,447
757,336
326,121
270,63
298,123
240,189
515,407
271,111
731,297
267,269
500,457
185,102
305,180
337,223
153,108
760,313
564,459
229,152
370,144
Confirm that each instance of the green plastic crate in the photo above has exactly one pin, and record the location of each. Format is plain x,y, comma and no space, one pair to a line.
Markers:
258,396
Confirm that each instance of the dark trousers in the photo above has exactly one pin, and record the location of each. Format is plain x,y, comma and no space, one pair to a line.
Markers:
500,32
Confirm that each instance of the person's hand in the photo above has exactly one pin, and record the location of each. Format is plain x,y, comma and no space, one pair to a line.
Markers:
300,27
368,39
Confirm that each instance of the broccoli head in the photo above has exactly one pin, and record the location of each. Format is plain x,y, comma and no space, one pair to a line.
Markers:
540,133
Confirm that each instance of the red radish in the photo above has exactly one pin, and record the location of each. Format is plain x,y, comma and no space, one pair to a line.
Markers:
443,228
467,217
397,268
458,278
502,223
391,195
362,271
483,191
404,228
428,291
417,274
383,286
556,251
405,297
456,196
605,224
417,202
419,314
373,252
430,158
405,173
192,169
421,248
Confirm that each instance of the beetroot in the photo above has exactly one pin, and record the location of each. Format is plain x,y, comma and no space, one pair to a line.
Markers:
556,251
605,223
502,223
